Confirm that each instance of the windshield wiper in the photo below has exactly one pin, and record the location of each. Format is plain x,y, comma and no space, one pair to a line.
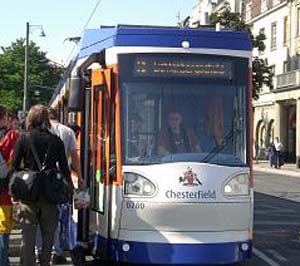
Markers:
216,149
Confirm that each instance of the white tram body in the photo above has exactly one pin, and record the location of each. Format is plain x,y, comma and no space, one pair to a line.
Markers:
184,207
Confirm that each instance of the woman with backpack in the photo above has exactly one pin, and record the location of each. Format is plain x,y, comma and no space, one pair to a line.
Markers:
36,146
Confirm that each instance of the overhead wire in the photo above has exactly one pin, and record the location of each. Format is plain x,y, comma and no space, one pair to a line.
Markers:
85,26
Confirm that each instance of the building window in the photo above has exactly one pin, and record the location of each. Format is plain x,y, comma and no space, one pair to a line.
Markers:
206,18
248,11
262,31
263,6
273,36
285,30
286,66
297,64
272,70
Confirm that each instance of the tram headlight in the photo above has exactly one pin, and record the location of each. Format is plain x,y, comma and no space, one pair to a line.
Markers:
137,185
237,186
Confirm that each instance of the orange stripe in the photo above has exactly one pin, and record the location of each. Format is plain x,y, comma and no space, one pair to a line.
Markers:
119,181
99,132
91,136
107,76
97,77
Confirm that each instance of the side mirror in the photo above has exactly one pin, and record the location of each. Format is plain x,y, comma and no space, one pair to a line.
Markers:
75,94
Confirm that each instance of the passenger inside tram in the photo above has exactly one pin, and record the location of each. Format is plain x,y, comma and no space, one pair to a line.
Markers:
137,145
213,124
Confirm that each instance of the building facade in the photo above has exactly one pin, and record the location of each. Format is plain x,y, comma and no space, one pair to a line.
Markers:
200,13
202,10
277,111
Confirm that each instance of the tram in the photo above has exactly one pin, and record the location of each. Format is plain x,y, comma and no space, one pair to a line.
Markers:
165,144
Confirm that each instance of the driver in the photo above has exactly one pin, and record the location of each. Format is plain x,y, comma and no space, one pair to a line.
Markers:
175,138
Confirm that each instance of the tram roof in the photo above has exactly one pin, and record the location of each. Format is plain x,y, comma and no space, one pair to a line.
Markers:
95,40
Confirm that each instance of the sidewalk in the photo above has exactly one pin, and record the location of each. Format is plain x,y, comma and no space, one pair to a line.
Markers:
286,169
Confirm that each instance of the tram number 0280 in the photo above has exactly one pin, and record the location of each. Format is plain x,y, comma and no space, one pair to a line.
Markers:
135,205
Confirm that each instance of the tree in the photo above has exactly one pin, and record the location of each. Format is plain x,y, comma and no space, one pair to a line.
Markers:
43,75
262,73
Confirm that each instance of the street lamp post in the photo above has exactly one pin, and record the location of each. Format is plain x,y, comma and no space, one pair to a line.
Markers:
26,68
42,34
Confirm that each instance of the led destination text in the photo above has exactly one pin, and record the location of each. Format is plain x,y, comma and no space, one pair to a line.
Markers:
200,194
152,67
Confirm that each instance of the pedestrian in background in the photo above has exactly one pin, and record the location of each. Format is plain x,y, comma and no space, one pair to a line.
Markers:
8,139
13,121
279,152
272,155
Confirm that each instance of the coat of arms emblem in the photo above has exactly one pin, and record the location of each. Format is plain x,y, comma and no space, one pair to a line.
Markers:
189,178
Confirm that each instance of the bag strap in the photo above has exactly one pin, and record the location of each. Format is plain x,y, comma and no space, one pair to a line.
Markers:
47,154
42,165
33,150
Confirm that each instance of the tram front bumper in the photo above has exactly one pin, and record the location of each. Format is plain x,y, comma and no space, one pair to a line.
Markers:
176,253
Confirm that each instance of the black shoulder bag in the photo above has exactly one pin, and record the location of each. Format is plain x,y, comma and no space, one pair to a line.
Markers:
55,186
24,184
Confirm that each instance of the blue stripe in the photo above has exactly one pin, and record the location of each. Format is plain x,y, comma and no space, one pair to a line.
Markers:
183,254
95,40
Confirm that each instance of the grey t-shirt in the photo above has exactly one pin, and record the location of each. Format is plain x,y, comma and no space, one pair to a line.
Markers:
67,135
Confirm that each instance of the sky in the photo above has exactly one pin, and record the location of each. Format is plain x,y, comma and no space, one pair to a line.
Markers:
62,19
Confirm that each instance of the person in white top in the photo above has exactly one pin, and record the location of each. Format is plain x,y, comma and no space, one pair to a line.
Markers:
278,144
67,135
279,156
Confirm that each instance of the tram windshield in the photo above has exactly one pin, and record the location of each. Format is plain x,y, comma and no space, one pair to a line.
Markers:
184,108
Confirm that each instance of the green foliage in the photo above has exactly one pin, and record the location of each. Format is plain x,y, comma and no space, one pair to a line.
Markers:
262,73
9,99
43,76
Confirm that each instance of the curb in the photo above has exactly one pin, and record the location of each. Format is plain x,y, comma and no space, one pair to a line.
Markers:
276,171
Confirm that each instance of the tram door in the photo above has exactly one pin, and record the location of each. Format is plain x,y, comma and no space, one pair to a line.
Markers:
99,189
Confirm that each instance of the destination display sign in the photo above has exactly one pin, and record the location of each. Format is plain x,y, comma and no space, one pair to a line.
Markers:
171,67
